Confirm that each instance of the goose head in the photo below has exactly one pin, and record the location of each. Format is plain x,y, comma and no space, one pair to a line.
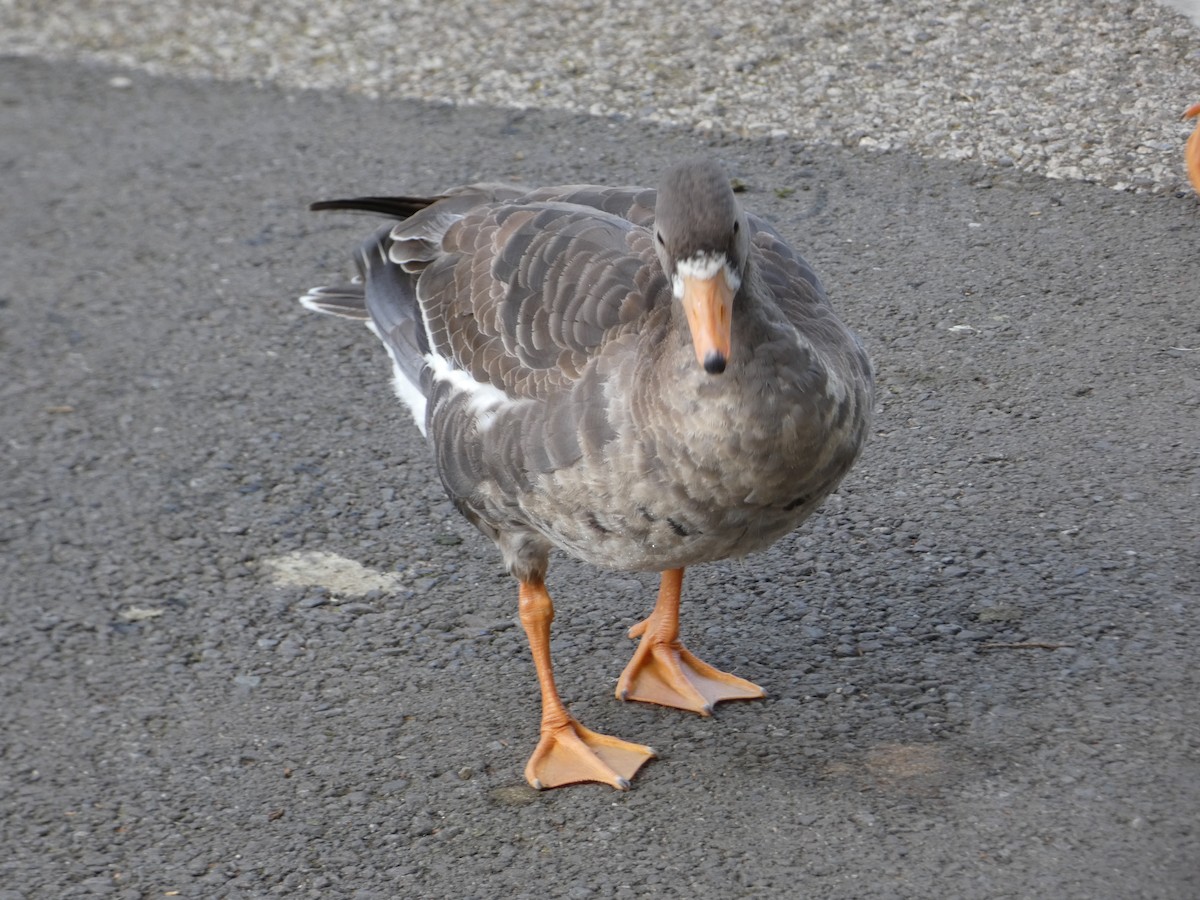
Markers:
703,244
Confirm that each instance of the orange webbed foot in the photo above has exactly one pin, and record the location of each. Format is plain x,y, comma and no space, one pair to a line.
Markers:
570,753
665,672
662,670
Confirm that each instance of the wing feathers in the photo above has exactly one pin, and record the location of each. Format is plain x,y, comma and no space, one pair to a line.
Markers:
517,288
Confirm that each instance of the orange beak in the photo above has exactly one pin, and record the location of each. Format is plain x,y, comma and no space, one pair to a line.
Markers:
708,303
1191,153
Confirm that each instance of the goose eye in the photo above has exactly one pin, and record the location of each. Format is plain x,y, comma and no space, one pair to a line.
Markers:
737,226
658,237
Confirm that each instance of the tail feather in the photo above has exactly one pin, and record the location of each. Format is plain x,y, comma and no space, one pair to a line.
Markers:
393,207
395,317
346,300
383,296
390,299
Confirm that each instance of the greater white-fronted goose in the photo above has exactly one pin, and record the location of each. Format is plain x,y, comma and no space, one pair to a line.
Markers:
645,380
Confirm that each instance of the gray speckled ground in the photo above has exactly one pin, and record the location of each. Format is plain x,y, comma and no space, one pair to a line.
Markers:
980,655
1077,90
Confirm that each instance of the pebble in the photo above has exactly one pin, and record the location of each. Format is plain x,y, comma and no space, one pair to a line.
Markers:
897,689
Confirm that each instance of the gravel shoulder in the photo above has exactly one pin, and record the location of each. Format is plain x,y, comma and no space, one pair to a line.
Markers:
1076,90
980,655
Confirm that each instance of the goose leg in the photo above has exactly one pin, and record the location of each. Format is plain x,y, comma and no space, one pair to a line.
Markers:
662,670
567,752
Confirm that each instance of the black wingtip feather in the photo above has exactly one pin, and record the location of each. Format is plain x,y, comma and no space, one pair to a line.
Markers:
393,207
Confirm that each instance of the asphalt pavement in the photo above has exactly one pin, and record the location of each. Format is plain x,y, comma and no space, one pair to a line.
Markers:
247,649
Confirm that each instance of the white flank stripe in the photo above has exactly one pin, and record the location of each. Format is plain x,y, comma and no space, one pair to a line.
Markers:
410,394
486,401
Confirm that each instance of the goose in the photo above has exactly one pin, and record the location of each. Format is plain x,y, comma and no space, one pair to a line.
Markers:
643,379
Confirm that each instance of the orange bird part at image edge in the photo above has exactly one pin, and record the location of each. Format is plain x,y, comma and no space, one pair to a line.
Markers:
1191,153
